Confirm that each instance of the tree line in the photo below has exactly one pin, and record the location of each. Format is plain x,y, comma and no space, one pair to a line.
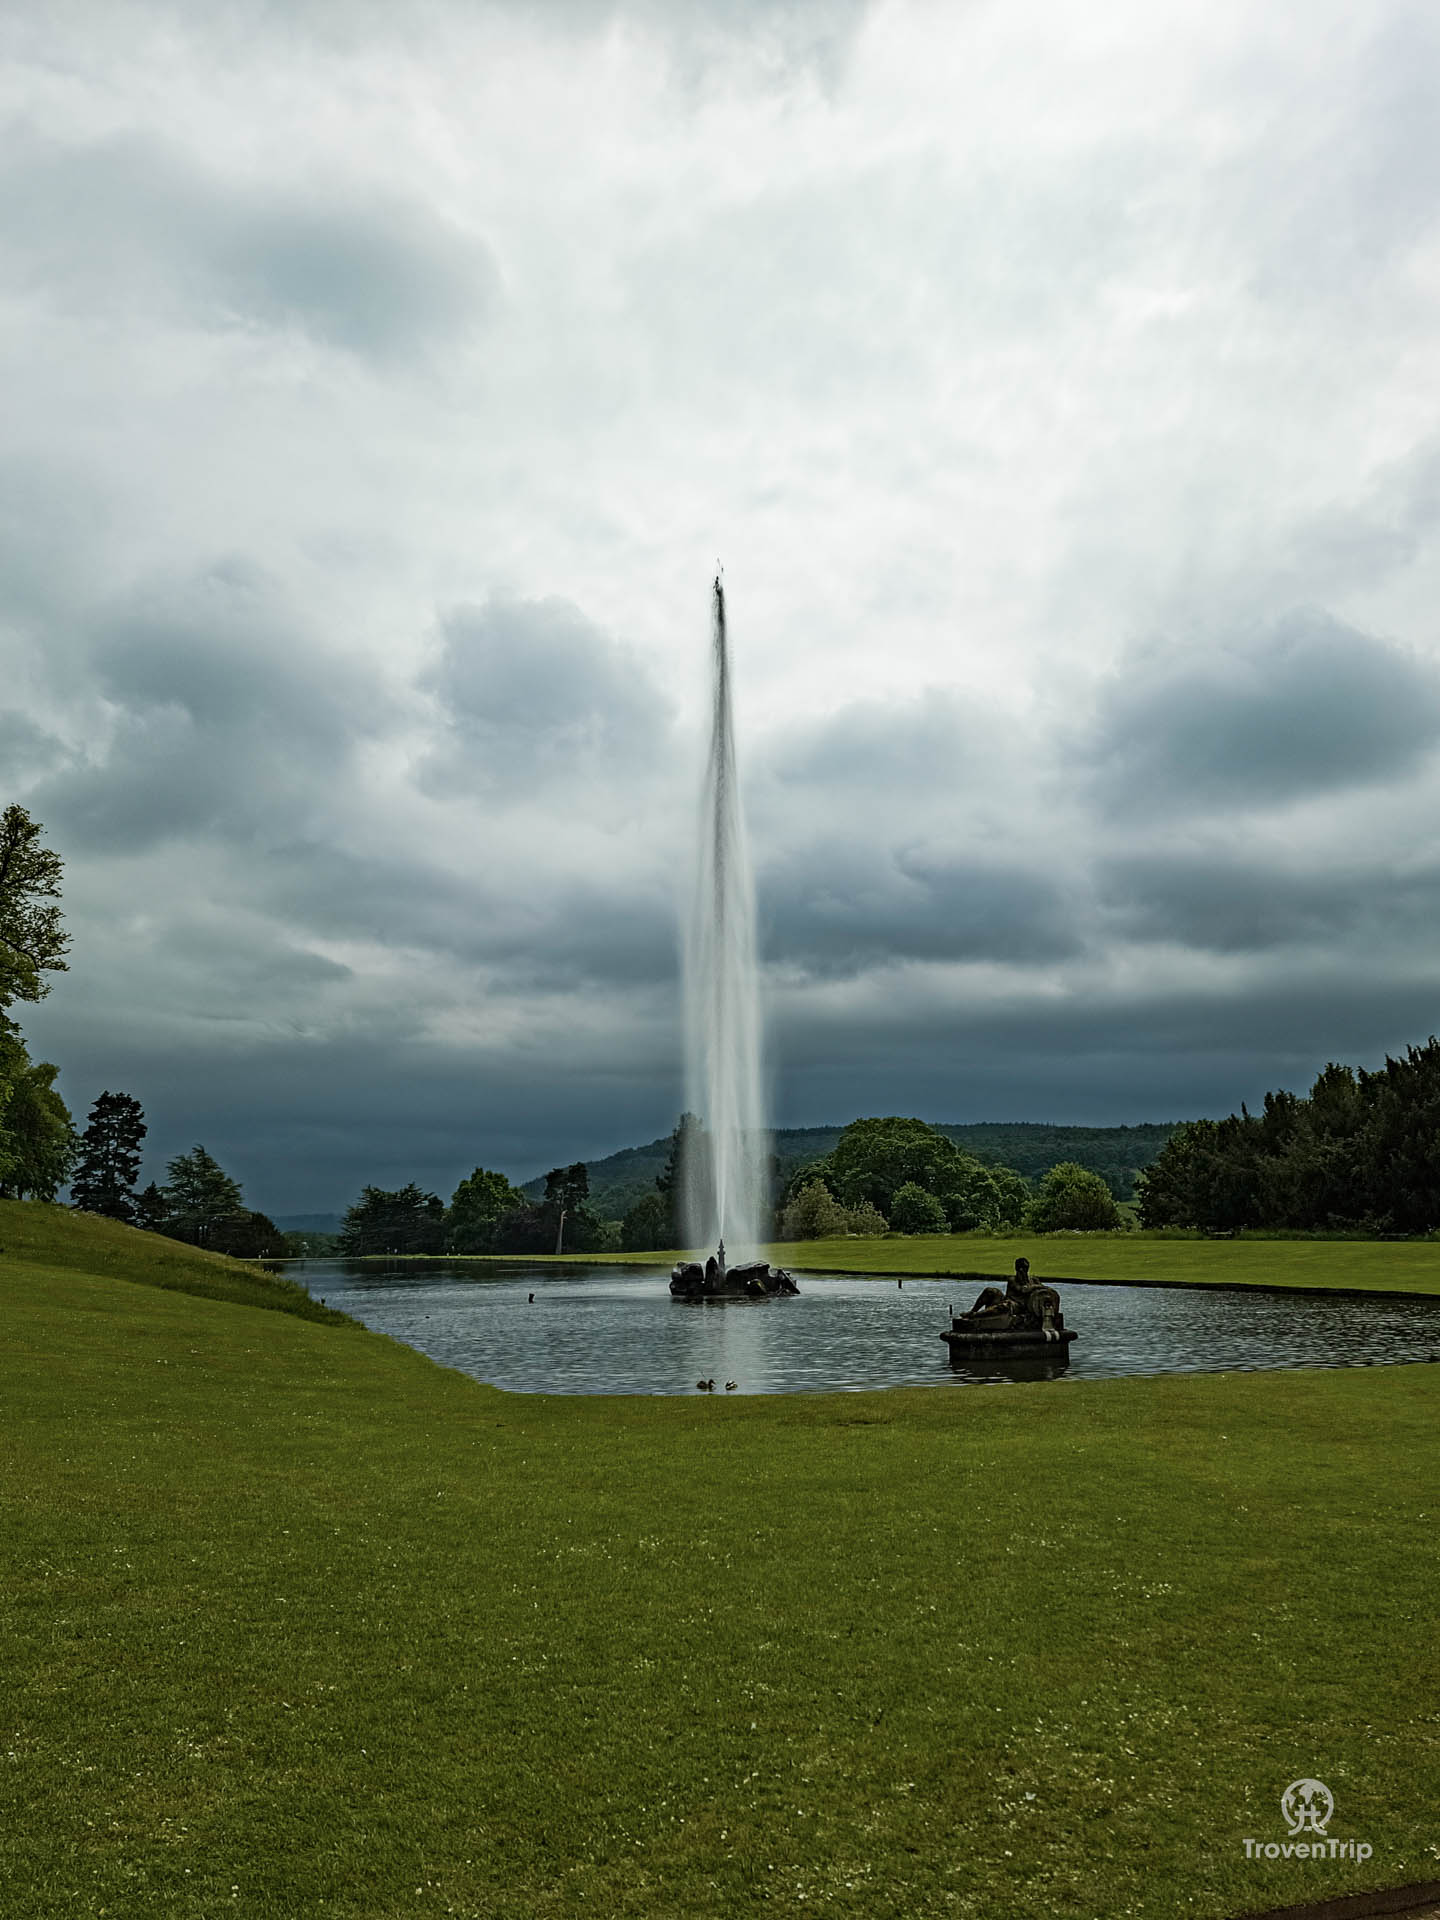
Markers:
884,1175
485,1215
901,1175
1359,1154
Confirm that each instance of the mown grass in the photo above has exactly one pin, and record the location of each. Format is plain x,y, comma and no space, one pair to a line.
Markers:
298,1623
1379,1266
33,1234
1411,1266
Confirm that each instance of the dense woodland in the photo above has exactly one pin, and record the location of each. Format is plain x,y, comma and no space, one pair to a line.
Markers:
1360,1154
1117,1154
884,1175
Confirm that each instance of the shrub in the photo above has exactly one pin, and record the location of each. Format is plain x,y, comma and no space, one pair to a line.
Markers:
913,1210
1074,1199
647,1225
867,1220
814,1214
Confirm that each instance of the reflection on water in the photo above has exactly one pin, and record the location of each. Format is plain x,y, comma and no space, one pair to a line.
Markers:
612,1330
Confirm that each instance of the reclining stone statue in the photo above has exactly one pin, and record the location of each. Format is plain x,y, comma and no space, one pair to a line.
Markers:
1025,1317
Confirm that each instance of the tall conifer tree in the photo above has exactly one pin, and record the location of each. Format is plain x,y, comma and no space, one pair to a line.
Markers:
104,1180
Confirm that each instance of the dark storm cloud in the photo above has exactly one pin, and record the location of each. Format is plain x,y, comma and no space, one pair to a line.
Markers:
223,716
234,966
838,908
52,520
905,879
25,749
127,222
1308,706
1221,905
532,691
1160,1051
543,934
932,743
306,1120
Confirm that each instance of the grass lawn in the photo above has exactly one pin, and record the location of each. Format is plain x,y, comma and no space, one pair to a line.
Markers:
1378,1266
1409,1266
297,1623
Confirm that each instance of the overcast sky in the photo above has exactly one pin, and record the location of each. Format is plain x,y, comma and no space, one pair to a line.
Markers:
1059,386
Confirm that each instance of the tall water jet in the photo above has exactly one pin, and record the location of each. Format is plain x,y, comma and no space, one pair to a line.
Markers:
725,1171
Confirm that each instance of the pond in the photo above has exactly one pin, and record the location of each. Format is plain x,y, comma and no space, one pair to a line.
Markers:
617,1330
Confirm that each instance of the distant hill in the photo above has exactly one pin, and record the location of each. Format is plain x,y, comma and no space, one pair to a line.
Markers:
1031,1147
308,1222
619,1180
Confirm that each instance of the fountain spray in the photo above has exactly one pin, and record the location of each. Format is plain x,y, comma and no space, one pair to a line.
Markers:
725,1170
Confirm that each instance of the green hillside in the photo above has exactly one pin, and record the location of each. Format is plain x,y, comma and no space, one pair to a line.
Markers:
299,1623
619,1180
55,1240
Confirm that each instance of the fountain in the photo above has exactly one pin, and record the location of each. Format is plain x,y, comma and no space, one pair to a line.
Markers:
724,1173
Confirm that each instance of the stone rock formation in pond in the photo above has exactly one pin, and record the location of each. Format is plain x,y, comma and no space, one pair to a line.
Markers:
755,1280
1023,1320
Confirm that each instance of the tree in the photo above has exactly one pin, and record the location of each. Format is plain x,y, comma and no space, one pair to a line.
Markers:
307,1245
104,1177
678,1181
1205,1175
476,1204
1014,1196
565,1213
198,1195
247,1236
874,1158
1401,1148
1073,1198
647,1226
866,1221
913,1210
32,941
37,1136
524,1229
813,1214
403,1221
152,1209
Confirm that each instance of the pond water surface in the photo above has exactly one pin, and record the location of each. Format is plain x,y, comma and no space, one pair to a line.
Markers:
617,1330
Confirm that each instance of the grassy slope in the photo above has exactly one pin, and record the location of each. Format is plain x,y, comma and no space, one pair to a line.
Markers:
36,1235
302,1623
1379,1266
